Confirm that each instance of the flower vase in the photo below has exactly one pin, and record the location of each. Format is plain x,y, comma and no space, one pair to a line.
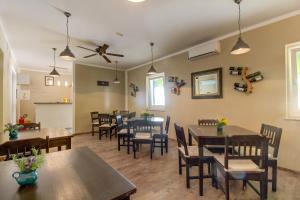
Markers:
25,178
13,135
220,129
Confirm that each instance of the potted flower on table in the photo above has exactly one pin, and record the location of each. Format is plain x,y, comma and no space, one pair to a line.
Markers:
27,174
13,130
221,123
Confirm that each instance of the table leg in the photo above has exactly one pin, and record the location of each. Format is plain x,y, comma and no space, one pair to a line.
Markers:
69,143
200,168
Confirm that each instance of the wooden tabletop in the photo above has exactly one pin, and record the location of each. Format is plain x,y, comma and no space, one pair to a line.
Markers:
73,174
211,131
31,134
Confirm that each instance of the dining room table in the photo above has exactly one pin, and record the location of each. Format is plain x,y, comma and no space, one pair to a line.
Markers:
209,135
73,174
58,137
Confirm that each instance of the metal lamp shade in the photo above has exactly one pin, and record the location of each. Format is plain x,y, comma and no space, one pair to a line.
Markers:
152,70
54,73
116,81
67,54
240,47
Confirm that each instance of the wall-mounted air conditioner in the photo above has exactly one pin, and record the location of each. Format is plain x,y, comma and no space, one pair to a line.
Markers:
204,50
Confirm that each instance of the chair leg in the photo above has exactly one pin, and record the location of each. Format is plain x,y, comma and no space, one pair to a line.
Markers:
161,147
208,168
167,145
100,134
274,177
151,150
179,164
119,147
187,169
134,156
244,184
226,187
93,131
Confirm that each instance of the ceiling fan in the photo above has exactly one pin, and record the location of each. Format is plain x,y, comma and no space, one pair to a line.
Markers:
101,51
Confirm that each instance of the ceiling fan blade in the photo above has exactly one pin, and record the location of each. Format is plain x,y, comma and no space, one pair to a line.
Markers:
104,48
106,58
86,48
114,54
90,55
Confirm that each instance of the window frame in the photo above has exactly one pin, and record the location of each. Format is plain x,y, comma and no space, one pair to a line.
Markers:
292,110
148,92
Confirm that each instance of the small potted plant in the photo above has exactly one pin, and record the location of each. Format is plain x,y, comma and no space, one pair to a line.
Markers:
13,130
221,123
27,174
146,115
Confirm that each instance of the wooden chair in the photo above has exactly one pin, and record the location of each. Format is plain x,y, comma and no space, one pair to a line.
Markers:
142,134
124,113
131,115
95,121
161,138
106,126
23,147
245,159
125,133
273,135
190,155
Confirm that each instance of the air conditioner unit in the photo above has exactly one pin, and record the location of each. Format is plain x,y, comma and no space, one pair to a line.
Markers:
204,50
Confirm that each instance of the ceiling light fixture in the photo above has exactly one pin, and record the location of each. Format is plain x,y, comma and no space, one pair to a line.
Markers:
241,46
54,72
152,70
136,1
67,53
116,80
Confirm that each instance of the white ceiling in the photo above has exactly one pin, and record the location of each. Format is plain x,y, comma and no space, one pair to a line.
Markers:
33,27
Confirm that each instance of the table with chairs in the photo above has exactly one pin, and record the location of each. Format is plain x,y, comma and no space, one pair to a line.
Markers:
235,153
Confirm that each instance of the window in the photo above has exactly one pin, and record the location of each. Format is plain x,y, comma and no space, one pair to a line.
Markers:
293,80
155,91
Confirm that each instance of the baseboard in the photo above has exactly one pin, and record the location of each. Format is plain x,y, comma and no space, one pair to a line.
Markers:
82,133
289,170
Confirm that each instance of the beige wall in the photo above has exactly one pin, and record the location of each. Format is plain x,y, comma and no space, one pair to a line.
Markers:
90,97
1,90
265,105
41,93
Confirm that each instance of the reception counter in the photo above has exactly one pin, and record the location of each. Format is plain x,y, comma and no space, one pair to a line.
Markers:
54,114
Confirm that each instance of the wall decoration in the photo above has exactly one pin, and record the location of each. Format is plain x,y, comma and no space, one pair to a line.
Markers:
248,79
177,84
102,83
49,81
24,95
207,84
135,89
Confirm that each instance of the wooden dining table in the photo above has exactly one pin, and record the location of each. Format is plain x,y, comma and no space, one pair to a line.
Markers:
58,137
73,174
208,135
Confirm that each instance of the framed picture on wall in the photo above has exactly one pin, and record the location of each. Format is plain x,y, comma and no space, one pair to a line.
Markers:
207,84
49,81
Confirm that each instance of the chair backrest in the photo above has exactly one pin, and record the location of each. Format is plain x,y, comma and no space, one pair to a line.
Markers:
105,118
23,147
247,147
131,115
273,135
181,142
167,124
207,122
124,112
142,126
95,117
119,122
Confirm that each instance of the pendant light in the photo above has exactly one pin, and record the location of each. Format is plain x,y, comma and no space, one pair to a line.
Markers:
54,72
116,80
152,70
241,46
67,53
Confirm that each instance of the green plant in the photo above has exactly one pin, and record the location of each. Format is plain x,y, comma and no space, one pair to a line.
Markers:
28,164
11,128
222,122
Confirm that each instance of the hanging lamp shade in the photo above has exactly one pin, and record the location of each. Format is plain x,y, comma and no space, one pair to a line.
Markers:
152,70
116,80
240,46
67,54
54,72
